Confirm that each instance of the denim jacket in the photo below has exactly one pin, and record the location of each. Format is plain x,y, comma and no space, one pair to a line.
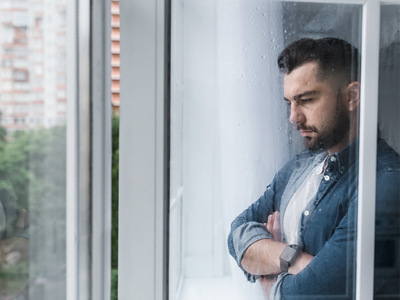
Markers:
327,228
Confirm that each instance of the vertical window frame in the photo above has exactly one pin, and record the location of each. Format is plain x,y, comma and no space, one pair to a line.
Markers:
72,155
144,150
368,149
88,207
101,149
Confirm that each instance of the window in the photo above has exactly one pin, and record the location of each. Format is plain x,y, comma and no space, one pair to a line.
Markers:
196,87
54,157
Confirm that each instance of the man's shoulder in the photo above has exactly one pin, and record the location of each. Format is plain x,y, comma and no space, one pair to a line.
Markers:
387,158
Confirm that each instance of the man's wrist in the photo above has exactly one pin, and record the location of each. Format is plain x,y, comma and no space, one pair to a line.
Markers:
301,262
262,257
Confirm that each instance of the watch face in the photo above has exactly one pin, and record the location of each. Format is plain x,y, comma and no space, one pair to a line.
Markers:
288,254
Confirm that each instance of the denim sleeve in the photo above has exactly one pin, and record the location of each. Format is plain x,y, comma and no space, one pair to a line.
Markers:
248,227
331,270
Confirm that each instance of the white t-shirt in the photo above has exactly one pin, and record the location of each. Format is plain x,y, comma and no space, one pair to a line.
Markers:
304,194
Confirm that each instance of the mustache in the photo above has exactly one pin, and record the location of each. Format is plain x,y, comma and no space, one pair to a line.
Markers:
307,128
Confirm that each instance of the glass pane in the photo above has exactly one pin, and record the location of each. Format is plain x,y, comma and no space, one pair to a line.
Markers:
230,135
387,230
32,145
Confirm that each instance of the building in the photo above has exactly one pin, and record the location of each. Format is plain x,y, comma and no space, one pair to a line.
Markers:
115,50
33,63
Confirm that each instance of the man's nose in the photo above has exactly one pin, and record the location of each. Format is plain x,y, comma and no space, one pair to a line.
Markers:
296,114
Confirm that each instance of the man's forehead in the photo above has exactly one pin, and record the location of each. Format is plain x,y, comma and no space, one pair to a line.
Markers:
307,69
301,77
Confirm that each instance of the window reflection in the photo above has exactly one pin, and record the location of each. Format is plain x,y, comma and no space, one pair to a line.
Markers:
32,148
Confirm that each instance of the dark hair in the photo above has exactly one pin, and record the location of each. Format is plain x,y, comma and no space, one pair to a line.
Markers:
334,56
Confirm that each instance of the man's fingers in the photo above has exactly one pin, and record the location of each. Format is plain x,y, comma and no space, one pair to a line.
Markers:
276,228
270,223
273,225
266,283
270,220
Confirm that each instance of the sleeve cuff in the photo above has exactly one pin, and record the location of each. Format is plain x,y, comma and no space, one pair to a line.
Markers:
244,236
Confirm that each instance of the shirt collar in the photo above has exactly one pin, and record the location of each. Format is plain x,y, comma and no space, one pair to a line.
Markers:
342,159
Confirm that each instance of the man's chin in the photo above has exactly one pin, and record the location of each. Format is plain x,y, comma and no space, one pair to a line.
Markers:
312,144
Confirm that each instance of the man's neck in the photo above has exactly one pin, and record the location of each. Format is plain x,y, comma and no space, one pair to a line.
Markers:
350,137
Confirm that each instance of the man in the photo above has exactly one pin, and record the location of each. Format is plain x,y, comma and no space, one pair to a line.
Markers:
299,237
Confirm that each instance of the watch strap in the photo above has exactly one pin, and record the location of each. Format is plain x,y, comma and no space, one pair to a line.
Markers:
288,256
284,266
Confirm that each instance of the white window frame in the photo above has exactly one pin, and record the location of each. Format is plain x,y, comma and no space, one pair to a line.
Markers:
88,150
144,156
143,177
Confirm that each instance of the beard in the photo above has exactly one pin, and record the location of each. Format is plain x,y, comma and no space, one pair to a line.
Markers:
328,136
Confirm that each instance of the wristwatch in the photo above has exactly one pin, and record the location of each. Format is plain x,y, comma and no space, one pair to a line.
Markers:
288,256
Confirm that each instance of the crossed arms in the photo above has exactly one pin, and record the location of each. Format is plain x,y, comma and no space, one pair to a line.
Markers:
326,264
262,257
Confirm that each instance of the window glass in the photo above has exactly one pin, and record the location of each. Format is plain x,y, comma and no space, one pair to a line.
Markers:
33,149
230,135
387,229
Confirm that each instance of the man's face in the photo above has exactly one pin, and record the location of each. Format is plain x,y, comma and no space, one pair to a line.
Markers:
317,108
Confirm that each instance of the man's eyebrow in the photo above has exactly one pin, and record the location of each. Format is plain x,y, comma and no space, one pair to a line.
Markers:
297,97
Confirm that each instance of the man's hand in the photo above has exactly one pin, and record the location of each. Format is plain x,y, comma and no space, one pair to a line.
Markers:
274,226
266,283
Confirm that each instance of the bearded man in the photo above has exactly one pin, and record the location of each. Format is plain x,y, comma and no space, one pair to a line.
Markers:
299,237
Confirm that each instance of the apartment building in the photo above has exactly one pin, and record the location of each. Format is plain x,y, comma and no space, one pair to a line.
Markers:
115,50
33,63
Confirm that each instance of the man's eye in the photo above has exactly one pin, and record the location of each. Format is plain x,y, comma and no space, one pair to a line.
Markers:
307,100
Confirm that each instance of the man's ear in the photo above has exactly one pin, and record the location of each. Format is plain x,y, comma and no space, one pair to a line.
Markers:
353,96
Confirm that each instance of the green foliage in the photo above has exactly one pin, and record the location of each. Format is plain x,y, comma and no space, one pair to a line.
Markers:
33,176
114,284
33,173
114,230
115,170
